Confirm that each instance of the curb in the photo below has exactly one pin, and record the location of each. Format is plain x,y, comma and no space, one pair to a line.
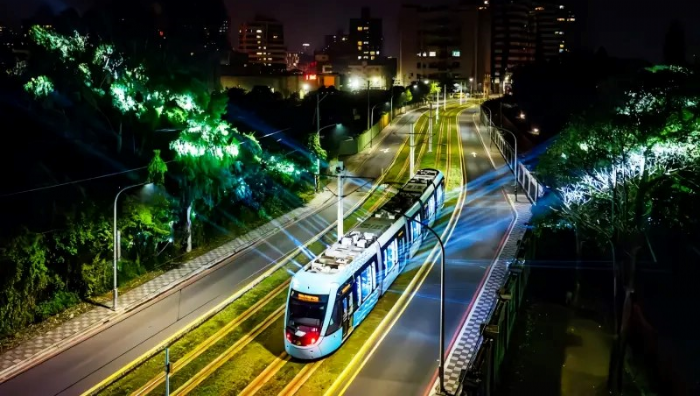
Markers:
150,299
433,387
284,260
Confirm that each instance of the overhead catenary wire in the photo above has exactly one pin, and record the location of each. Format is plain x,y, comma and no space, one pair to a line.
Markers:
35,189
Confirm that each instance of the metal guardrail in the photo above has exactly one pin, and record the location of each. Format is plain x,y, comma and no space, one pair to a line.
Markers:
527,181
484,372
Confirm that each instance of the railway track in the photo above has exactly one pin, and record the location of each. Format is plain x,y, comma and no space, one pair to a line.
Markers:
294,385
277,363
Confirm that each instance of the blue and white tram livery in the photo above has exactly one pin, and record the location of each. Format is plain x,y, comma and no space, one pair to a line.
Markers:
335,292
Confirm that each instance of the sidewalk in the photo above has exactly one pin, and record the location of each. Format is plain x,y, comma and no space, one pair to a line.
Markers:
469,336
64,335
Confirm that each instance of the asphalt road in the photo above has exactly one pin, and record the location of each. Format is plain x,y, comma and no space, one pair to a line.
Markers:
79,368
407,359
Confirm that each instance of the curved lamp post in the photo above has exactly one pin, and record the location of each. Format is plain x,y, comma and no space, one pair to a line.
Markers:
115,292
441,364
371,124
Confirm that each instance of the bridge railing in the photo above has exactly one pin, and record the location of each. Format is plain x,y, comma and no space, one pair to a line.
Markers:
528,182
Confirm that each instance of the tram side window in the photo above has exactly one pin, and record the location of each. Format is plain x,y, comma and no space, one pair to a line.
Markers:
431,207
415,228
391,254
365,280
441,192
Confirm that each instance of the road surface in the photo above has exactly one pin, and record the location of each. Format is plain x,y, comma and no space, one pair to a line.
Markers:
79,368
406,361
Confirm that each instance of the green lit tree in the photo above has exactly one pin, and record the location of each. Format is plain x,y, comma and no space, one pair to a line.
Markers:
212,158
611,167
435,88
409,95
157,169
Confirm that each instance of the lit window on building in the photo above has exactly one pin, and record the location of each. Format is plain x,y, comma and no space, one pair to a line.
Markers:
359,28
456,53
561,7
432,54
258,31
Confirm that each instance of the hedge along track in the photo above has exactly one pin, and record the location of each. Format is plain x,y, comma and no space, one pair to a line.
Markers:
308,370
232,326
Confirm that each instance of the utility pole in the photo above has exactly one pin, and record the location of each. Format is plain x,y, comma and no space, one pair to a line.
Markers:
444,97
167,371
391,105
412,146
368,125
437,106
340,170
430,127
318,135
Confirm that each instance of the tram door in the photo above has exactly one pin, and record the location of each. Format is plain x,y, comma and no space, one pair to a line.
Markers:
348,310
403,249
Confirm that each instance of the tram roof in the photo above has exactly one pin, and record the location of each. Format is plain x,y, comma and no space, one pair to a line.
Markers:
341,256
410,192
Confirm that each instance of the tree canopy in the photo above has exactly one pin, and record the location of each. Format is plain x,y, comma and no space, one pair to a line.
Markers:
627,168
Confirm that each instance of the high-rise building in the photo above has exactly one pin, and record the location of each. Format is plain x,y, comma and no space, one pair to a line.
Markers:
336,42
263,40
366,35
554,36
513,35
445,42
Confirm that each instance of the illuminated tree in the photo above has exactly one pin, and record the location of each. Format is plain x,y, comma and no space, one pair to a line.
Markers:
39,86
610,168
409,95
434,88
157,169
212,156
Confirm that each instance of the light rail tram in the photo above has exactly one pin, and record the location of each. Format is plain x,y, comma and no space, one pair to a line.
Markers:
335,292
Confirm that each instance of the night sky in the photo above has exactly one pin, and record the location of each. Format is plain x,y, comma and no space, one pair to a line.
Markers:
626,28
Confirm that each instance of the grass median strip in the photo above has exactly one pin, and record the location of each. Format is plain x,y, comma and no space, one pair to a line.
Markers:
214,339
179,350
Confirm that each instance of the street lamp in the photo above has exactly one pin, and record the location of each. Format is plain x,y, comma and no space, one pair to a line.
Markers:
391,105
371,124
329,126
318,130
340,170
117,249
521,115
535,131
441,364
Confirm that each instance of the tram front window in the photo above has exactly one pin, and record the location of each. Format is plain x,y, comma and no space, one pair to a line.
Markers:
305,317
